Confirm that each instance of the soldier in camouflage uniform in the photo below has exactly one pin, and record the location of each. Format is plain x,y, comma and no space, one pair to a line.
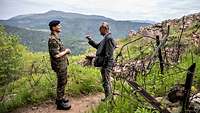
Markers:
59,63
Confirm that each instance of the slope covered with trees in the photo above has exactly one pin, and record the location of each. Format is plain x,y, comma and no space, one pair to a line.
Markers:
138,60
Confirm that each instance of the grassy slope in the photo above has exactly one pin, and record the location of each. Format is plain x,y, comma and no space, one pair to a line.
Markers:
41,85
156,84
85,80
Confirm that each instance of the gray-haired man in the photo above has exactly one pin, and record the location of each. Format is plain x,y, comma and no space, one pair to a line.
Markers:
105,51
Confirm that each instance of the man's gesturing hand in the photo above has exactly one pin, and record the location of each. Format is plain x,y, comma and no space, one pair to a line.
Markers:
88,37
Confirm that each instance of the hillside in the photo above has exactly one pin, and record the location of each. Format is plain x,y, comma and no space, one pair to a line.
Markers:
138,61
34,28
74,25
36,41
148,72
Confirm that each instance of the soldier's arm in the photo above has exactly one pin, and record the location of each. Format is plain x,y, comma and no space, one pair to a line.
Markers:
63,53
54,49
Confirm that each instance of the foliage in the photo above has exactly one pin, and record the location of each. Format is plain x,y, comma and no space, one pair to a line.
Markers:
154,83
39,83
11,60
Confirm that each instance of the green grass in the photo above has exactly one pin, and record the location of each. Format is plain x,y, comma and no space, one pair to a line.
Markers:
156,84
41,85
22,93
83,80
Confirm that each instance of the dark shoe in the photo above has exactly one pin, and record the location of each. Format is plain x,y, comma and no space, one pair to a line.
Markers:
61,105
64,100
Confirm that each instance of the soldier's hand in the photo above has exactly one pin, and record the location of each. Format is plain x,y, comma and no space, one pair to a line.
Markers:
68,51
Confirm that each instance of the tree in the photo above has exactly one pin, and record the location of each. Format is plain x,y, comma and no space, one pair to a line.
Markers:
11,59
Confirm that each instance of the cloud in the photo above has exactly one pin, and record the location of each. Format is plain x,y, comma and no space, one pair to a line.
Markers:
119,9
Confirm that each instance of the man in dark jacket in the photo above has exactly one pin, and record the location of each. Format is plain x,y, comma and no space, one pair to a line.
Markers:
105,49
59,63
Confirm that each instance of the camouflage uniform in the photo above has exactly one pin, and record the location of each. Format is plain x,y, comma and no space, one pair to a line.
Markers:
59,65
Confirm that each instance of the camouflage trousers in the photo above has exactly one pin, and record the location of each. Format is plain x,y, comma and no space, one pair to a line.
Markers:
61,82
105,73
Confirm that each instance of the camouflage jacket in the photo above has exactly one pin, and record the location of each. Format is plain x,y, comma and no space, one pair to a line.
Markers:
56,46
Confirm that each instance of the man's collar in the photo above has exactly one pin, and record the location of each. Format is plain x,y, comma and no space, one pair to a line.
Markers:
107,34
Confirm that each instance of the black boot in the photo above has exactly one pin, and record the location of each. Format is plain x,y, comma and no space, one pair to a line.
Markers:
64,100
61,105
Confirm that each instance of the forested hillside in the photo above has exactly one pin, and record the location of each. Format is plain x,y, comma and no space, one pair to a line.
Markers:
149,75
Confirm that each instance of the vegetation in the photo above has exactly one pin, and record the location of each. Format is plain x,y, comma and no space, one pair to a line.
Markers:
27,78
36,41
33,29
10,57
158,85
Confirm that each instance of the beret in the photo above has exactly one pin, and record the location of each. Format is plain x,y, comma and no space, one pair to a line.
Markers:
54,23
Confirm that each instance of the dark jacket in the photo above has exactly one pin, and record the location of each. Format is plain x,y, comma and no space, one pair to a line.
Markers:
56,46
105,49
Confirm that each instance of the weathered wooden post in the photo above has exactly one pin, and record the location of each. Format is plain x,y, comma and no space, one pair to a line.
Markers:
147,97
179,40
160,55
188,85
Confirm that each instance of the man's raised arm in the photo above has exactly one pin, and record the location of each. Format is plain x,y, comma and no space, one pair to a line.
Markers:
91,42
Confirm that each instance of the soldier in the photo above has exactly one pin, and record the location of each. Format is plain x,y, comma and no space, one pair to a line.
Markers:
104,57
59,63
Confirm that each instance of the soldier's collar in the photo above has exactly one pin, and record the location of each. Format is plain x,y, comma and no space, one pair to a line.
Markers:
56,35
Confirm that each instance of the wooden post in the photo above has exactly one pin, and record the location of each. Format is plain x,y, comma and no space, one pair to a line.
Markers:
148,97
160,55
179,40
188,85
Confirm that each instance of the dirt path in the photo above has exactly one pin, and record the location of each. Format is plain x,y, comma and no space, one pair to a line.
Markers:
79,105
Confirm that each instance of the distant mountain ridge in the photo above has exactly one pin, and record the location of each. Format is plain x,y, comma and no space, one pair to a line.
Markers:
74,27
145,21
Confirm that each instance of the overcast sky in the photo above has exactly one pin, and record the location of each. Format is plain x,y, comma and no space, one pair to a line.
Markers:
155,10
